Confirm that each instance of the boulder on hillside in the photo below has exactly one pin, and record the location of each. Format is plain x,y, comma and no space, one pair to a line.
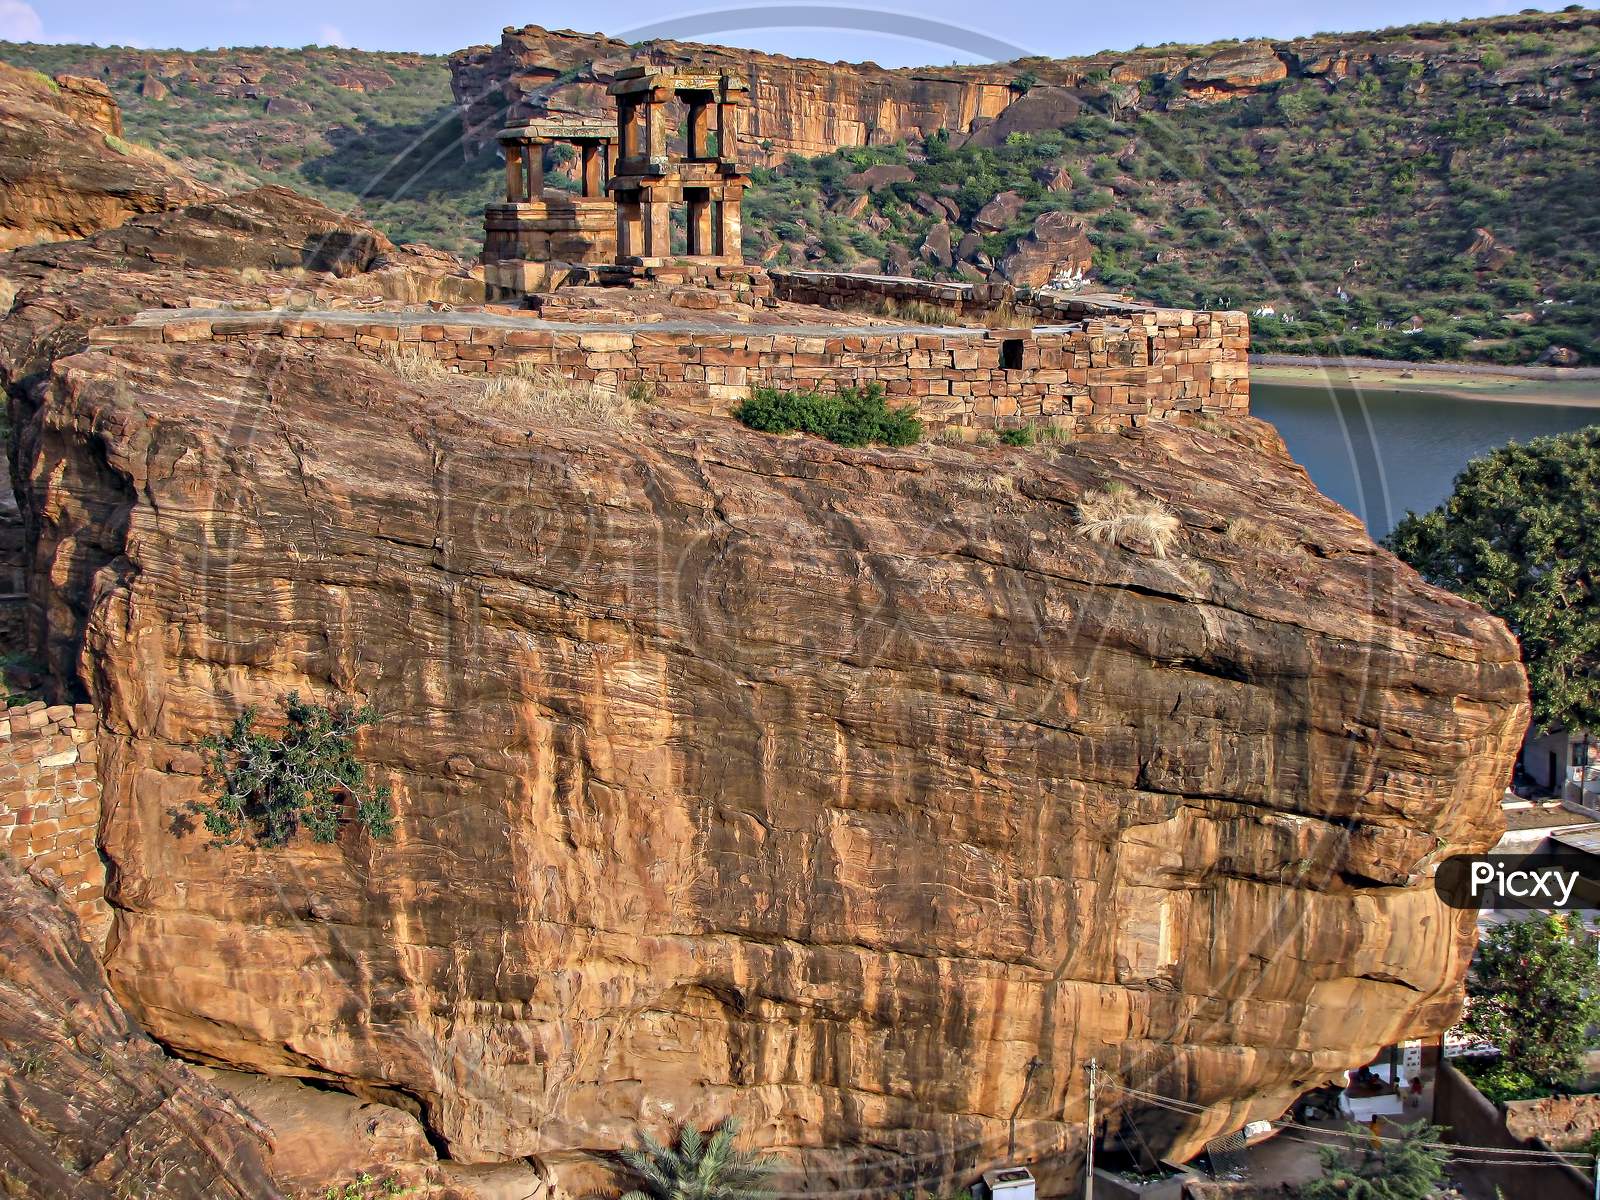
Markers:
897,261
1560,356
936,246
929,205
999,212
1487,252
1058,242
64,170
1040,109
970,241
875,179
1238,70
1054,179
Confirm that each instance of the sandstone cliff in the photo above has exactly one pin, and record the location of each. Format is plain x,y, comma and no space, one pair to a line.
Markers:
90,1108
743,773
808,107
64,170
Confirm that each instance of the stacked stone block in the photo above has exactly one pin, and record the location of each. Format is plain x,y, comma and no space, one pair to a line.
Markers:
50,802
1095,374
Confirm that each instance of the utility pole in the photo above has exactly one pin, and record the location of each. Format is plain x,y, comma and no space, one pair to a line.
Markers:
1088,1163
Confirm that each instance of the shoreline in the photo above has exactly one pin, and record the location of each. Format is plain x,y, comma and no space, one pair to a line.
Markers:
1572,387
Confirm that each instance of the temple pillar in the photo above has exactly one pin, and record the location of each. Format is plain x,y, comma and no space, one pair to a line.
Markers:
728,131
514,180
655,125
699,121
630,225
657,227
730,237
535,156
593,176
702,231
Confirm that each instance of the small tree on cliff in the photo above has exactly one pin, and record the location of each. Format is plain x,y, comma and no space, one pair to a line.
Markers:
700,1167
269,788
1518,536
1534,991
1402,1167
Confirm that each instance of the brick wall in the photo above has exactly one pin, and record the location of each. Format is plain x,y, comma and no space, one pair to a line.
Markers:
1100,372
50,802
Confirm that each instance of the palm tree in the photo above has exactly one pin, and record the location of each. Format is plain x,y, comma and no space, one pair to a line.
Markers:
700,1167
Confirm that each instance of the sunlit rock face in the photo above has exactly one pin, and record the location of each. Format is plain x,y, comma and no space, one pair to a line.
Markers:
749,774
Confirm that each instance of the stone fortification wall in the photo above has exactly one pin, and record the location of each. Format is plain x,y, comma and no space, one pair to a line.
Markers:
1104,372
50,802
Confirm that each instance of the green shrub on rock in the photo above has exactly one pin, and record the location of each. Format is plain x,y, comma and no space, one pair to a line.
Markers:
266,789
852,417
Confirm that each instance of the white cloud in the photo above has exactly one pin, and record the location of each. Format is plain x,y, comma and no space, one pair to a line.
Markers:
19,23
327,35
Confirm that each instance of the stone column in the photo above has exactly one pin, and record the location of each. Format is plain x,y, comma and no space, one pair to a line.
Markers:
657,226
655,124
535,153
627,127
514,181
699,145
702,233
728,131
593,169
630,225
731,241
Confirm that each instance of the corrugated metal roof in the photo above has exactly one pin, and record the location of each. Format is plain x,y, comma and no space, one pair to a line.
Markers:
1586,839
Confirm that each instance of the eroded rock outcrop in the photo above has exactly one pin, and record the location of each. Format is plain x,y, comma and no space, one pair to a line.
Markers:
742,773
90,1108
65,172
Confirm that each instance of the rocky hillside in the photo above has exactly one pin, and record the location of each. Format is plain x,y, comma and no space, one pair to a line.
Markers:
1419,193
65,171
371,135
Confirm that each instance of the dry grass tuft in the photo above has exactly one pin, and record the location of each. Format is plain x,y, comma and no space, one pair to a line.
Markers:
1116,515
546,396
411,364
1244,531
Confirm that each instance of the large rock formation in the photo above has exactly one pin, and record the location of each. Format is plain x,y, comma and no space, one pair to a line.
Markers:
64,170
853,791
90,1108
803,106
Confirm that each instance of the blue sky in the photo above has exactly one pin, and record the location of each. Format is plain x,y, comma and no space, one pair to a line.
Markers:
953,30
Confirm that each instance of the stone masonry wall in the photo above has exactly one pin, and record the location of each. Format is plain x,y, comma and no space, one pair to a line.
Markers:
1094,374
50,802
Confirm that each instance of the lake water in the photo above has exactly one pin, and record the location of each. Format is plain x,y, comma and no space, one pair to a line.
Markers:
1380,453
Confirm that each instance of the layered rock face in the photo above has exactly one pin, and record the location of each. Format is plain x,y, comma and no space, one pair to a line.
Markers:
90,1108
803,106
798,106
855,792
65,172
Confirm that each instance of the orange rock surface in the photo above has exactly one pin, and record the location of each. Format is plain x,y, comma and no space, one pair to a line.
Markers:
743,773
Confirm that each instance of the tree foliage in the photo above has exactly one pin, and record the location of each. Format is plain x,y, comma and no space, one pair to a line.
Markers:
1534,991
1517,535
266,789
701,1166
1404,1167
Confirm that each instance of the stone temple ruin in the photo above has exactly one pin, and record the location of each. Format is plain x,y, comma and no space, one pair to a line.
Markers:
632,180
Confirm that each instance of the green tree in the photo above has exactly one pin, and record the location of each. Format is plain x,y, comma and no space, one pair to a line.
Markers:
268,788
1405,1167
700,1167
1517,535
1534,991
